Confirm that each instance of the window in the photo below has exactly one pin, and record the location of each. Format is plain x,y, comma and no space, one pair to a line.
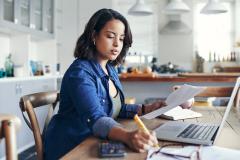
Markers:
214,33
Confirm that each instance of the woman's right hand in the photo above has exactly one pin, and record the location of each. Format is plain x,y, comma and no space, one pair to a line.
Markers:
140,141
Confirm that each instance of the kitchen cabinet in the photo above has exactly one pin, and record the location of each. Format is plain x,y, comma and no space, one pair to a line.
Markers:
35,17
48,16
10,93
37,14
24,13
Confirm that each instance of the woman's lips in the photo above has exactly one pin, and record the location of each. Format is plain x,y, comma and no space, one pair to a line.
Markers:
115,52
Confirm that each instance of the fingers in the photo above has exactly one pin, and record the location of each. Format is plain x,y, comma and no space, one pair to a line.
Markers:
161,103
142,141
155,140
164,103
188,104
140,144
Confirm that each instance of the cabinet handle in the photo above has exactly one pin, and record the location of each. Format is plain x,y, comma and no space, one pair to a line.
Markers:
17,88
20,88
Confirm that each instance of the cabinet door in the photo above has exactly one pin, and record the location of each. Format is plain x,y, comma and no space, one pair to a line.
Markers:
9,97
38,14
21,15
25,12
8,10
48,14
10,94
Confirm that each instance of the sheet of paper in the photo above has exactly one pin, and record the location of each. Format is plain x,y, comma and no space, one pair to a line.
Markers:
175,99
161,156
206,153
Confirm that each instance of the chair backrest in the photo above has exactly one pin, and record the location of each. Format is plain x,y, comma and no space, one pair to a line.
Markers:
9,124
27,104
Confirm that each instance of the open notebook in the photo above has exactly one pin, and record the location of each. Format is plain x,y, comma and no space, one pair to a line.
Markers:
178,113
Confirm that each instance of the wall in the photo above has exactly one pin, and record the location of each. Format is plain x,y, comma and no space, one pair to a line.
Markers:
4,48
66,31
177,49
144,28
237,20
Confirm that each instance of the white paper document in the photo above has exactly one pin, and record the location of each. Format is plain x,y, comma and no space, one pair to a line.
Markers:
176,98
188,152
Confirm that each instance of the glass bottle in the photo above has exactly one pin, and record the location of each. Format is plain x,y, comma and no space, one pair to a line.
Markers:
8,66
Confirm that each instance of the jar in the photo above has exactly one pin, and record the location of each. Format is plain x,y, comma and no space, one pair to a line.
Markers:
8,66
2,73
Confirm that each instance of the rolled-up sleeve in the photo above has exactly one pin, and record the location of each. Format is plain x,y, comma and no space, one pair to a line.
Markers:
129,110
83,93
103,125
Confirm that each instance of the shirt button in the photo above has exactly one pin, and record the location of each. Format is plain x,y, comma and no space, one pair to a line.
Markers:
103,100
88,120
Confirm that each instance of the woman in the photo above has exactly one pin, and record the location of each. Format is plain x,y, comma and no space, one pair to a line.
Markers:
91,95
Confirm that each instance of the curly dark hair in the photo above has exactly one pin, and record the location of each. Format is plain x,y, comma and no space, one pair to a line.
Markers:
85,48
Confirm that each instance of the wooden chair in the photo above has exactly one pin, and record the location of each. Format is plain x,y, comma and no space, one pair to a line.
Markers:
27,104
217,91
9,124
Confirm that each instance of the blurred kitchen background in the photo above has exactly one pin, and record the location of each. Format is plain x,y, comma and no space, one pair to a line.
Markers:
42,34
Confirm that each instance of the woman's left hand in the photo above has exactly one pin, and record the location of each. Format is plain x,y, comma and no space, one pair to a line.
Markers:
151,107
188,104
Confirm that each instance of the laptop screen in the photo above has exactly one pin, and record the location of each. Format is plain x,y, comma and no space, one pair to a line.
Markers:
229,106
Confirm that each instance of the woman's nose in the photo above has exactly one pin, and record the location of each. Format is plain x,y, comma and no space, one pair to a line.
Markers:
116,42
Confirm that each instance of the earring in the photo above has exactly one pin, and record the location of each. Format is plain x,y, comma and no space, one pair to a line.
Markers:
94,43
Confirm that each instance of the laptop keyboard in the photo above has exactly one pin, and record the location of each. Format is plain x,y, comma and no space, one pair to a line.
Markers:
195,131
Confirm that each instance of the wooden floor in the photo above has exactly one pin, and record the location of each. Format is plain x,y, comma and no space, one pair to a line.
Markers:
229,137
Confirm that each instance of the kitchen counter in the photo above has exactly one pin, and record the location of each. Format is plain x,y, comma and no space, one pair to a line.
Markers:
27,78
184,77
161,85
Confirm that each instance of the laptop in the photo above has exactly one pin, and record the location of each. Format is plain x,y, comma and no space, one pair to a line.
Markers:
195,133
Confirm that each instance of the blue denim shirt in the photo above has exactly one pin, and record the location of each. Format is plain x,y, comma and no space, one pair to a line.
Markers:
85,107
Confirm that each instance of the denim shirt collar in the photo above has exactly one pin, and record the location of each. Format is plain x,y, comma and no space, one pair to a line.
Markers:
98,69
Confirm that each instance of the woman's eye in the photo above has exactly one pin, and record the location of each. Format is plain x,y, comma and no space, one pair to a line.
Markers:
110,36
122,39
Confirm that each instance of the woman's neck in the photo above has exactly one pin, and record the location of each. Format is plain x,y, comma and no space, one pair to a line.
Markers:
103,64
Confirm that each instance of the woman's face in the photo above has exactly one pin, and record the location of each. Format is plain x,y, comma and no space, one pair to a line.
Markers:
109,41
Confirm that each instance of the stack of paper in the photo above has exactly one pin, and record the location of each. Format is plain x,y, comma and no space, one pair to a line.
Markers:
188,152
175,99
180,113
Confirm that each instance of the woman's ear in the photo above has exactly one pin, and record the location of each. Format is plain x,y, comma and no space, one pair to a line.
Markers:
94,37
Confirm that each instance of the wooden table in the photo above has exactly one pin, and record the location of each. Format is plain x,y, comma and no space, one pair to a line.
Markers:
229,137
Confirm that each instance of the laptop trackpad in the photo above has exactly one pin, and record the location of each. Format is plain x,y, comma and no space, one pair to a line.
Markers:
171,128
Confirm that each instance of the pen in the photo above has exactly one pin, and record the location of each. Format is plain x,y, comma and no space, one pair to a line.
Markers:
142,126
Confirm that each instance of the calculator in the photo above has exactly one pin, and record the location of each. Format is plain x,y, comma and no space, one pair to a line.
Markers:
111,149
